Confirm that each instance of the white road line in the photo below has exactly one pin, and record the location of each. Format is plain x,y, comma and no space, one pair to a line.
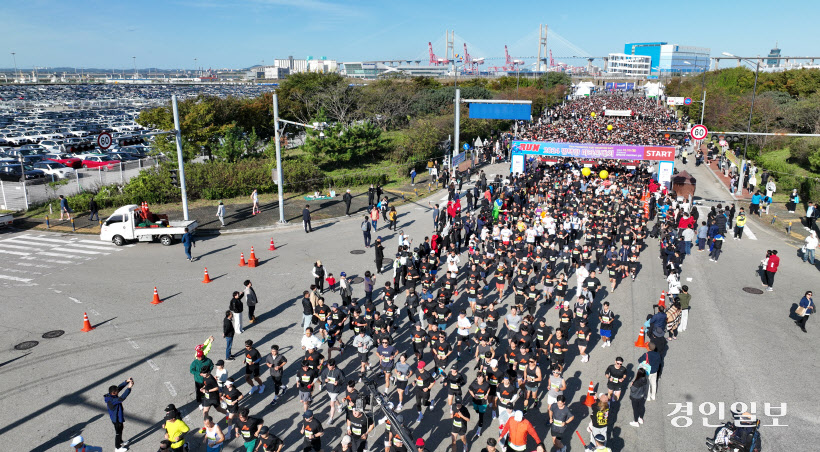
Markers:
21,241
26,264
45,253
133,344
91,247
50,261
80,302
97,242
16,253
14,278
171,388
17,247
153,365
71,250
43,239
57,291
748,232
14,270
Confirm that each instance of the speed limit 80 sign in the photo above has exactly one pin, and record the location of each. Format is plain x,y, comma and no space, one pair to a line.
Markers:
699,132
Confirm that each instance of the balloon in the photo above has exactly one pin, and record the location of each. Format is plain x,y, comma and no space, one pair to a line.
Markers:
609,127
604,174
592,114
586,171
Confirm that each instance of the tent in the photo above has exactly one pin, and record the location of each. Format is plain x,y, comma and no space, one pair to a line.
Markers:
582,89
653,89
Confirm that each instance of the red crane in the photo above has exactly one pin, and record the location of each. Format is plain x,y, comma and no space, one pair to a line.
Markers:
434,60
510,64
552,62
468,60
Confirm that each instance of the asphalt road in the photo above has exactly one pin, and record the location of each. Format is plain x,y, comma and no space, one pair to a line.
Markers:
739,347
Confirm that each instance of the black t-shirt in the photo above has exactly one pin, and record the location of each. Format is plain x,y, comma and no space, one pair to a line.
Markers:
312,427
600,417
479,392
251,357
271,443
359,425
305,378
616,374
247,429
209,384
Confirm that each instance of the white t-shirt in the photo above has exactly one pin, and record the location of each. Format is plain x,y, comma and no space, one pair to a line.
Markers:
311,342
464,325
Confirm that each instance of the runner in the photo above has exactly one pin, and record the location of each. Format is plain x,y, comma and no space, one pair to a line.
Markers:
252,360
334,382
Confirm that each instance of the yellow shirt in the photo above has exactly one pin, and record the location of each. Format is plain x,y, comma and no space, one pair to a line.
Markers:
741,221
174,429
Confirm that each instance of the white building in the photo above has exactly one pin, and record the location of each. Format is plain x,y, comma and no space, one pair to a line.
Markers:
291,64
629,65
275,73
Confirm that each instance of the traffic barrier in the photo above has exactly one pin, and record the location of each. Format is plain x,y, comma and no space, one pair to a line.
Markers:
86,324
156,299
590,400
272,246
242,259
252,261
641,342
207,278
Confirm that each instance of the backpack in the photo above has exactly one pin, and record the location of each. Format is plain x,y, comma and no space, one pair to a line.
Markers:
645,365
365,226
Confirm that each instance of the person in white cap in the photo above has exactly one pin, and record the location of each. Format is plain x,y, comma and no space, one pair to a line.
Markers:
79,445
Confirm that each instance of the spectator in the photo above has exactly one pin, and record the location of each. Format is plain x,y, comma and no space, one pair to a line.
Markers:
810,247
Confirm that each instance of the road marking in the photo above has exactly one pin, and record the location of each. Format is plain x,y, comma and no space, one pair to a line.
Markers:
14,270
15,246
72,250
171,388
57,291
749,233
26,264
78,302
133,344
18,241
93,247
153,365
50,261
688,279
43,239
94,311
45,253
16,253
98,242
14,278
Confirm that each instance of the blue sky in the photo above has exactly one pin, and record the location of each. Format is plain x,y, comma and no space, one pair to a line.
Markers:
240,33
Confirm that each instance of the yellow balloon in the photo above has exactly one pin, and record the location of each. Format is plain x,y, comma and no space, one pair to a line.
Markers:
586,171
609,127
604,174
592,114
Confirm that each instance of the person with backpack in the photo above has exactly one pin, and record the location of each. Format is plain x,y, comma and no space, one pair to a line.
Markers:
637,395
650,362
366,231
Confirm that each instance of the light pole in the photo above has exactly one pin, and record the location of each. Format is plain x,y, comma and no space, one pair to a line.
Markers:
135,66
196,68
749,125
14,57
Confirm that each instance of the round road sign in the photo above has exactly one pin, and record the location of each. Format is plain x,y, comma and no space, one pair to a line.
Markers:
687,101
699,132
723,143
104,140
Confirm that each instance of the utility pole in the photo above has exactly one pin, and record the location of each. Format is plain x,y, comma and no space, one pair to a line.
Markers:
16,76
456,132
135,66
178,136
279,169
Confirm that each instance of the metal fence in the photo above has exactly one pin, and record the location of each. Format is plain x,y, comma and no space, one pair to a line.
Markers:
19,196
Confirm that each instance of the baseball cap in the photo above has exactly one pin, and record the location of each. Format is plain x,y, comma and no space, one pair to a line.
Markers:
221,362
346,439
378,238
493,363
342,274
600,438
199,354
170,415
334,305
422,364
264,430
482,325
77,441
420,442
519,416
308,414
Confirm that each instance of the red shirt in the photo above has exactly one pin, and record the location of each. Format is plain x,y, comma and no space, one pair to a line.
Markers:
774,262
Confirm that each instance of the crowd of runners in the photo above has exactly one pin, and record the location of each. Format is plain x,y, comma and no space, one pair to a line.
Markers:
477,324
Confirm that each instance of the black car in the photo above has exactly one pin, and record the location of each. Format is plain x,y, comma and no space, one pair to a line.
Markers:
11,173
123,156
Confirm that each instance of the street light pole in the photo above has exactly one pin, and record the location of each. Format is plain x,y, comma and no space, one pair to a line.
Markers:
14,57
748,129
178,136
279,169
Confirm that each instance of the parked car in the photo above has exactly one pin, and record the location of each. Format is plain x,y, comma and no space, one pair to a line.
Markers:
66,159
56,169
12,173
99,161
123,156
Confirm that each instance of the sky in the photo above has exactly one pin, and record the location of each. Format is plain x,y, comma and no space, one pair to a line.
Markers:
171,34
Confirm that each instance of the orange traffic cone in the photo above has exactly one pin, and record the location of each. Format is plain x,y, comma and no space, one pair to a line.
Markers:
252,261
590,400
207,278
242,259
156,297
662,300
86,324
272,246
641,342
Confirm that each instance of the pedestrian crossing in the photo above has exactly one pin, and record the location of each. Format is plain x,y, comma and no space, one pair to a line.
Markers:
26,257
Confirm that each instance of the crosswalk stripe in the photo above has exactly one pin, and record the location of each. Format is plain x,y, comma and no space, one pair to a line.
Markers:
96,242
15,246
29,244
18,253
748,232
14,278
44,253
43,239
105,248
72,250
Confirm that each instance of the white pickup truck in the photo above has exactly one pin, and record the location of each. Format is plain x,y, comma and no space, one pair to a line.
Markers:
6,219
124,225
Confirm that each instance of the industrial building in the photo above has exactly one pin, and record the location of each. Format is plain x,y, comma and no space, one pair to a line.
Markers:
628,65
671,58
374,69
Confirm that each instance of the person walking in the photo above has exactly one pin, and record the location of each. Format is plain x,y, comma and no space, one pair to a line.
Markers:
113,401
379,255
255,199
637,395
771,268
200,364
250,299
805,309
374,217
306,219
794,200
371,194
228,332
65,210
347,198
739,224
650,362
366,228
252,360
94,209
413,176
810,247
318,273
236,306
703,233
276,364
188,242
220,213
307,310
518,428
684,298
